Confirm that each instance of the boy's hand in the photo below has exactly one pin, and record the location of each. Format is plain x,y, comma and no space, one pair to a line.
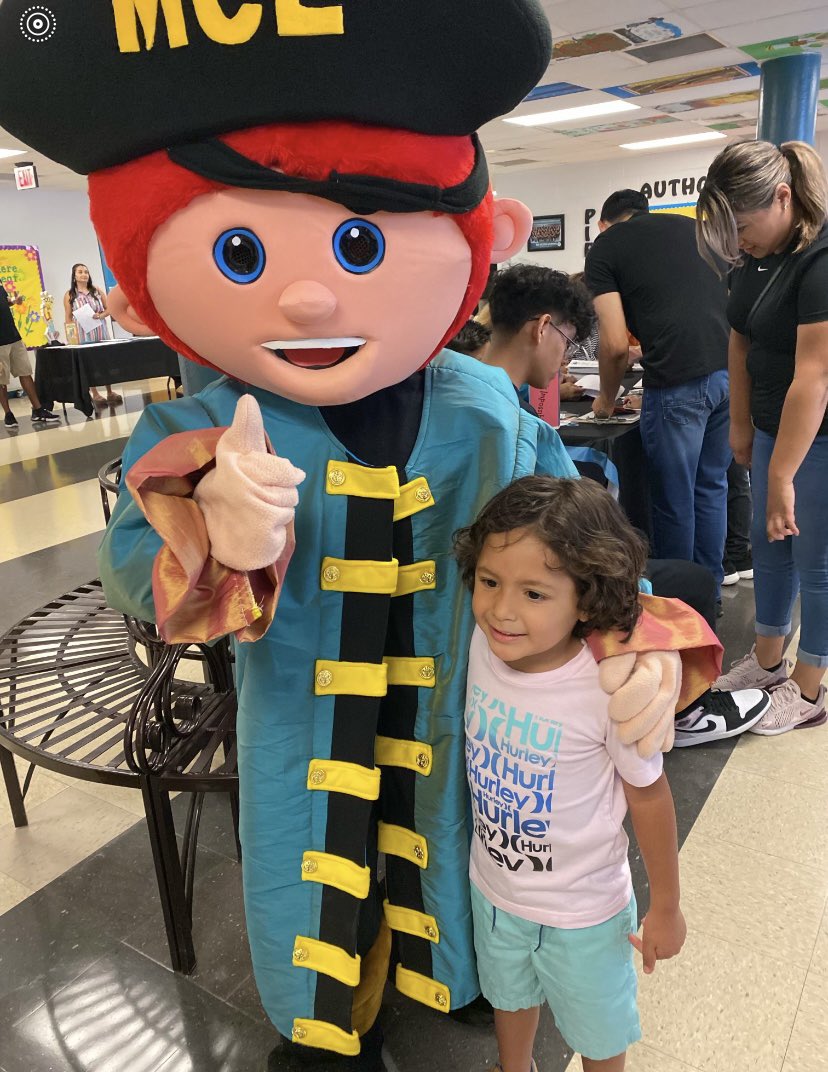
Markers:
662,938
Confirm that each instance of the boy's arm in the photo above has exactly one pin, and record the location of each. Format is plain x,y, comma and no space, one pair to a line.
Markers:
654,821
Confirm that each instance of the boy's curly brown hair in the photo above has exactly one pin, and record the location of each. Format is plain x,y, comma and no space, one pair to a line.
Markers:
588,532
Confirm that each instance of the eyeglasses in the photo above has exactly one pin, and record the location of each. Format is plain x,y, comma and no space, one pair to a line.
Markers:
572,346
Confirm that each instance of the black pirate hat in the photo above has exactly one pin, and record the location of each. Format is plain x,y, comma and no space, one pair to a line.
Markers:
105,81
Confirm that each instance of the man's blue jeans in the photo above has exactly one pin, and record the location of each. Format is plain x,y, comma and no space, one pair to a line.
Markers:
797,564
684,430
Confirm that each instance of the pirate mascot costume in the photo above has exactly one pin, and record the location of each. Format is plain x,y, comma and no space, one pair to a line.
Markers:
293,194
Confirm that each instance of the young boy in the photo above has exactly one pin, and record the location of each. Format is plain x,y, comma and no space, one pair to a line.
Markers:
549,561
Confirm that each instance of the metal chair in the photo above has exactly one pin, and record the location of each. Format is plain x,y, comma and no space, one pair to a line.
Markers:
87,692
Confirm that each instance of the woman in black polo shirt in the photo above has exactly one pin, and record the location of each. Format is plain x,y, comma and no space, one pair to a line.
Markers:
770,204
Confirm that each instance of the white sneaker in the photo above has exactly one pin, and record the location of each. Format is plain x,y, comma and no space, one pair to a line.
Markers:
789,711
731,578
746,673
715,716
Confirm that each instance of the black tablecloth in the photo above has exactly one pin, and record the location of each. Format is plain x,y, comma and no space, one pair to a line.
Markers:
65,373
622,445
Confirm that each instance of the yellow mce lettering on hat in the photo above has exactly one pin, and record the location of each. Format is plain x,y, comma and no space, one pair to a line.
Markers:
293,19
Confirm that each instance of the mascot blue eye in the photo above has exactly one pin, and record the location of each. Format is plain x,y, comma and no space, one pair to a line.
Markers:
239,255
359,246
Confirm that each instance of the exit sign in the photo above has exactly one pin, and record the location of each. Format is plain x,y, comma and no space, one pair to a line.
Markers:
25,176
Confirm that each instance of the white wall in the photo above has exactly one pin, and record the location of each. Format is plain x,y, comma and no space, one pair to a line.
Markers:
57,222
573,188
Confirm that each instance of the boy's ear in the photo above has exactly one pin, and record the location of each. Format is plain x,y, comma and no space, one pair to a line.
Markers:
124,314
512,227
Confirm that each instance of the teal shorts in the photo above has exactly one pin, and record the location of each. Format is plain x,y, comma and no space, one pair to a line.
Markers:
586,974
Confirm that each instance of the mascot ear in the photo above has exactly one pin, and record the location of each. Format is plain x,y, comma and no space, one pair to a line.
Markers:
512,227
124,314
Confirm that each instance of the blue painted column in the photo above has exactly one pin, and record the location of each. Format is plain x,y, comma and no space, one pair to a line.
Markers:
788,96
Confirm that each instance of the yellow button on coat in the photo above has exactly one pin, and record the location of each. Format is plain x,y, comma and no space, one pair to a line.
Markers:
310,867
324,678
299,1033
331,574
337,478
427,671
317,777
300,954
422,495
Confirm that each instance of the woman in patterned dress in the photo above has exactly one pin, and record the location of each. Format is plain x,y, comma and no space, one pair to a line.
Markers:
82,291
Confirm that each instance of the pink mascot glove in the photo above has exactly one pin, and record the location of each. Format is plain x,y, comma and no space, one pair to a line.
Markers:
644,691
249,498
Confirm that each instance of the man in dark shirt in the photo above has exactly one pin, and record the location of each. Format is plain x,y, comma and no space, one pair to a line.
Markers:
14,361
538,315
646,275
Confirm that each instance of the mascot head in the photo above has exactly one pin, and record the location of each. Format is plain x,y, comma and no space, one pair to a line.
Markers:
292,195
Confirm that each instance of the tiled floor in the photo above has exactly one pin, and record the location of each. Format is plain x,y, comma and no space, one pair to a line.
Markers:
84,983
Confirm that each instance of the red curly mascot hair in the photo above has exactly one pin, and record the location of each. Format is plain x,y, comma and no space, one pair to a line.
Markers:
130,202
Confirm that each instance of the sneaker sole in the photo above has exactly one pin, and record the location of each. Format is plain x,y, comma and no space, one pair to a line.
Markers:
819,719
687,740
780,679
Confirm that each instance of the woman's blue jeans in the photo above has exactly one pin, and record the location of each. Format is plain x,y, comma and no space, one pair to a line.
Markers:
798,564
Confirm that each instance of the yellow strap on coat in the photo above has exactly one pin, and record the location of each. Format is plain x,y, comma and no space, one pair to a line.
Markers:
325,958
410,922
392,752
325,1036
356,575
336,871
418,671
360,482
418,577
334,776
350,679
421,988
414,497
397,841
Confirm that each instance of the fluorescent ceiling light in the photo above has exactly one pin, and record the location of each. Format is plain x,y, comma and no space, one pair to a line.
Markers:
564,115
684,139
11,152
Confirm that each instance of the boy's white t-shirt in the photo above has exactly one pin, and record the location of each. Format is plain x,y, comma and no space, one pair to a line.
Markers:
544,764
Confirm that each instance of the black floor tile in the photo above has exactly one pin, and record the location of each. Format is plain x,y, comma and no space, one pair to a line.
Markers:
43,947
215,830
127,1014
219,933
32,580
20,479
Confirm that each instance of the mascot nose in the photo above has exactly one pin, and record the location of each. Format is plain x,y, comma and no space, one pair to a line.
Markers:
306,301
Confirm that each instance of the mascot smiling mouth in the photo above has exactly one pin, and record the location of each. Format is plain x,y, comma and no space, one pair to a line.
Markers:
315,353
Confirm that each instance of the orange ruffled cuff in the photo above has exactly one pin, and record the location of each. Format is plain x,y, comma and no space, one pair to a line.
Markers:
669,625
197,599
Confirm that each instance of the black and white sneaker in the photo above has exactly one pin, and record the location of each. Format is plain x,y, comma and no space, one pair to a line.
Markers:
44,416
715,716
10,421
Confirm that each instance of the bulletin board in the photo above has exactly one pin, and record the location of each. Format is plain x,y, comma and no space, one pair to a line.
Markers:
21,276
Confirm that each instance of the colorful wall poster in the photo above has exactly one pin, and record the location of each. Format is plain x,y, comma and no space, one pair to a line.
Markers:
688,80
609,128
21,276
688,208
677,107
787,46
